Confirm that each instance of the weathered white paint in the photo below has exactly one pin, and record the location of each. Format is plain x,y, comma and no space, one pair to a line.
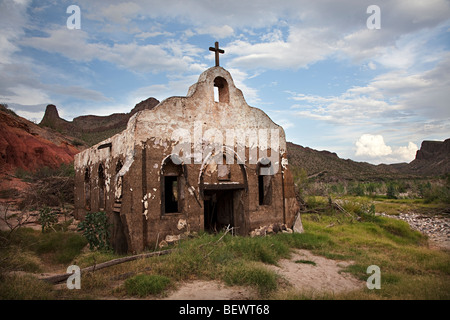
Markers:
197,113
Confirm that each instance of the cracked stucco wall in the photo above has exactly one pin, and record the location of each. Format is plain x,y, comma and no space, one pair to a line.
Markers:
192,124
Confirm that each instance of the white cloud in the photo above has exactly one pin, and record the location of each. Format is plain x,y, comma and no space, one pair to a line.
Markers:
35,117
146,35
351,108
283,122
26,95
121,13
407,153
12,22
374,148
302,47
77,46
250,94
392,97
177,86
216,31
408,101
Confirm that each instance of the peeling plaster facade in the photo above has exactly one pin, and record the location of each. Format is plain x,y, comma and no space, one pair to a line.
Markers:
193,159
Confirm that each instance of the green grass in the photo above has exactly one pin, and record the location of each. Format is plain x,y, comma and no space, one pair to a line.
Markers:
24,287
409,268
401,253
306,262
398,206
62,246
144,285
27,245
251,274
15,258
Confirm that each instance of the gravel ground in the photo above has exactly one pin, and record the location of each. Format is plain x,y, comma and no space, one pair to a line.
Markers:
435,226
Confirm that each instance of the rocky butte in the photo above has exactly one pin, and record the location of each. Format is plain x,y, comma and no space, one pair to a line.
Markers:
115,122
25,145
433,158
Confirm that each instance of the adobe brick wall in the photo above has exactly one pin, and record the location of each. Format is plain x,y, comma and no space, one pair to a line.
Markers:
153,135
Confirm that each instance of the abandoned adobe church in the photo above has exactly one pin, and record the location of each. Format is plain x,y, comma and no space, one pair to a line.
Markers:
194,163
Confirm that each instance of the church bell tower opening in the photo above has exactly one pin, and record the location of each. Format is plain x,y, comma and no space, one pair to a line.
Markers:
221,90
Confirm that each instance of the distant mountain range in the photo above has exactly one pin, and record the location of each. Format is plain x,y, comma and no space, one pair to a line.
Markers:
433,159
92,129
55,140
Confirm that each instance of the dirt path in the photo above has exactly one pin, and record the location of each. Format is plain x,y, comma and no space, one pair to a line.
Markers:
315,275
210,290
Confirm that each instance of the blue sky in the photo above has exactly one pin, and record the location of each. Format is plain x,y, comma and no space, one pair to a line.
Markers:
313,66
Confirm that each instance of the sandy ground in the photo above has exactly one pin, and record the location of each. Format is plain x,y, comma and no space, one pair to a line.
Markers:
324,277
210,290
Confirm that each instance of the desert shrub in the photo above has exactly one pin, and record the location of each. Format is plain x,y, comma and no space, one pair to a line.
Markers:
403,186
373,187
391,191
144,285
423,188
9,193
47,218
21,173
356,189
51,192
64,170
437,194
338,188
301,181
363,209
95,229
317,202
76,143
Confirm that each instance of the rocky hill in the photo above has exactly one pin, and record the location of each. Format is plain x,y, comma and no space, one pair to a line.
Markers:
23,144
92,129
432,158
327,166
26,145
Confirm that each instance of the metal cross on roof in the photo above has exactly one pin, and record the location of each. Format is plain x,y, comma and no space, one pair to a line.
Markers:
216,51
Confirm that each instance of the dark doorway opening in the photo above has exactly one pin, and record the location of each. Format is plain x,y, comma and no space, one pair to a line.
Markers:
101,186
171,194
119,239
219,209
